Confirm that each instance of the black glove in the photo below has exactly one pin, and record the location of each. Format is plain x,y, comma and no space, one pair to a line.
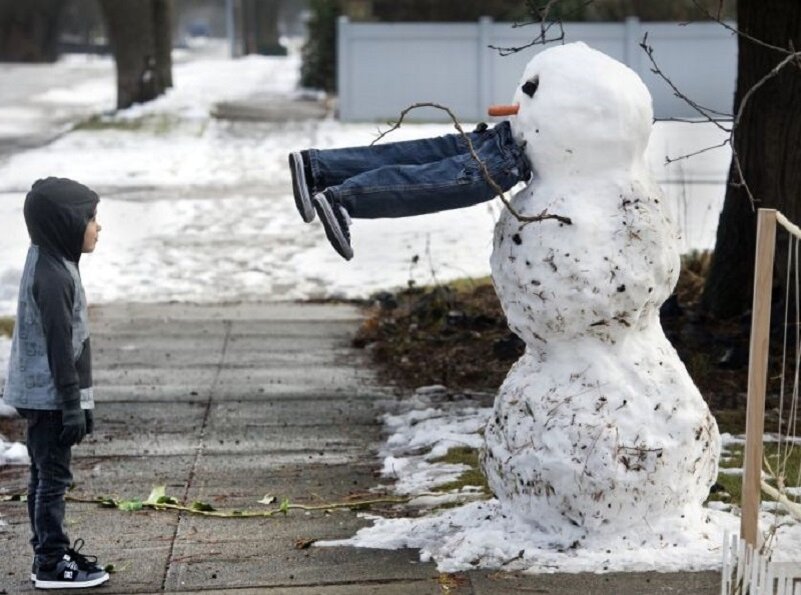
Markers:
481,127
73,421
90,421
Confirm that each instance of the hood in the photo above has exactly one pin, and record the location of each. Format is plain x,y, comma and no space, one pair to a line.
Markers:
57,211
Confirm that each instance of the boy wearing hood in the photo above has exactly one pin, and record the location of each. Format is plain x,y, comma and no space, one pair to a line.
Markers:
50,370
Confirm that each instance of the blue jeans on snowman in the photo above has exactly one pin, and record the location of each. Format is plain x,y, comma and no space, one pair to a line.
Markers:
415,177
402,179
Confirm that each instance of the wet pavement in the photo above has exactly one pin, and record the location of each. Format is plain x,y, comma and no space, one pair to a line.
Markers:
224,404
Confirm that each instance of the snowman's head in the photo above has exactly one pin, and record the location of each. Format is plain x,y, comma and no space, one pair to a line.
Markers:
581,112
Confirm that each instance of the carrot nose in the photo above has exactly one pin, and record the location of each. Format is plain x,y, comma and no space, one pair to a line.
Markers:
503,110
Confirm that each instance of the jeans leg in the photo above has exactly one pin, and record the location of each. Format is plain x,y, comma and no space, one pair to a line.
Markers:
331,167
33,481
408,190
52,461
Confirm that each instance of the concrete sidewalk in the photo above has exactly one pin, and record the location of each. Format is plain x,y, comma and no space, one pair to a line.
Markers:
223,405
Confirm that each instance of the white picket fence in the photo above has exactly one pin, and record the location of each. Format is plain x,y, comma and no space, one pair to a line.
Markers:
746,572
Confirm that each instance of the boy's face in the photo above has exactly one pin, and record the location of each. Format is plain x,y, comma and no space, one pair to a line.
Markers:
90,236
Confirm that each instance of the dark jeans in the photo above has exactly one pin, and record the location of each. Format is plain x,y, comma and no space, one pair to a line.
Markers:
420,176
50,478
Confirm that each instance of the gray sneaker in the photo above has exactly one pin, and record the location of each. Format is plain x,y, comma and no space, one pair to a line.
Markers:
336,222
73,571
301,187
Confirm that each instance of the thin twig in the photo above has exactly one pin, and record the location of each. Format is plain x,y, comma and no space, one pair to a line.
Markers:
707,113
677,119
541,17
484,171
669,160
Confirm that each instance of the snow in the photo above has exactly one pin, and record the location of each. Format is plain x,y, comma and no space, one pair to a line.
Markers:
481,534
420,433
13,453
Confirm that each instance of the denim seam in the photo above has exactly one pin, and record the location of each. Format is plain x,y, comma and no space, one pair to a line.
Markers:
315,169
339,193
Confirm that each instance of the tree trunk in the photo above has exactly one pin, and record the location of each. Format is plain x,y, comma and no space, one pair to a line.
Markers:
767,141
267,13
29,30
162,27
260,26
139,34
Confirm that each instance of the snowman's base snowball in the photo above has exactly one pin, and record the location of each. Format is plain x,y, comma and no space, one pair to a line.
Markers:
589,437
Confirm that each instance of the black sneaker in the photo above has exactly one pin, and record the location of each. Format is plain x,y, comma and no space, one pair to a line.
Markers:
301,186
336,222
73,571
34,568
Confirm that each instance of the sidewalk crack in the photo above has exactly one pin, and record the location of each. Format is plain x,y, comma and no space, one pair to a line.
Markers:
198,450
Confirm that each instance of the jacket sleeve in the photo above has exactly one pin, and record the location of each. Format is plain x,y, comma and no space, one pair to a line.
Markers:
55,295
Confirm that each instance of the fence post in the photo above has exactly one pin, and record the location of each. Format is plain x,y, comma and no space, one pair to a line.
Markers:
631,41
343,64
484,64
757,375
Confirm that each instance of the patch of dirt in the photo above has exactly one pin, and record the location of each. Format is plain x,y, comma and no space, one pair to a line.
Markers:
454,335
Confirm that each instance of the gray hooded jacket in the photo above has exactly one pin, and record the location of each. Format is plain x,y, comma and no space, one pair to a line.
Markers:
51,362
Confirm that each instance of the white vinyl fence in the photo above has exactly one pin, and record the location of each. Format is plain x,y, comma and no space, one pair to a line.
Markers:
383,68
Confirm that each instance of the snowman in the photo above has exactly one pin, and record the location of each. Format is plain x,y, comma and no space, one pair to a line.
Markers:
598,427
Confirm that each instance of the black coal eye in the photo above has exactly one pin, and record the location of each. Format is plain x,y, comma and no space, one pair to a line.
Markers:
530,87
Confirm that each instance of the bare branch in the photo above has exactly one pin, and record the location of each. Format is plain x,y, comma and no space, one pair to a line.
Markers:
540,39
682,120
483,167
669,160
707,113
773,72
741,181
541,17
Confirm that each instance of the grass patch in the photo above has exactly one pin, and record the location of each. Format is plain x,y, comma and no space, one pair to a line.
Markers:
471,477
6,326
730,485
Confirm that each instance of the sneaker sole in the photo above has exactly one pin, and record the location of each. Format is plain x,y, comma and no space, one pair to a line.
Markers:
332,229
39,584
300,190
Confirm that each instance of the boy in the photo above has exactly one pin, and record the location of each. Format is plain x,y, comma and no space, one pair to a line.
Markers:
403,179
50,370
